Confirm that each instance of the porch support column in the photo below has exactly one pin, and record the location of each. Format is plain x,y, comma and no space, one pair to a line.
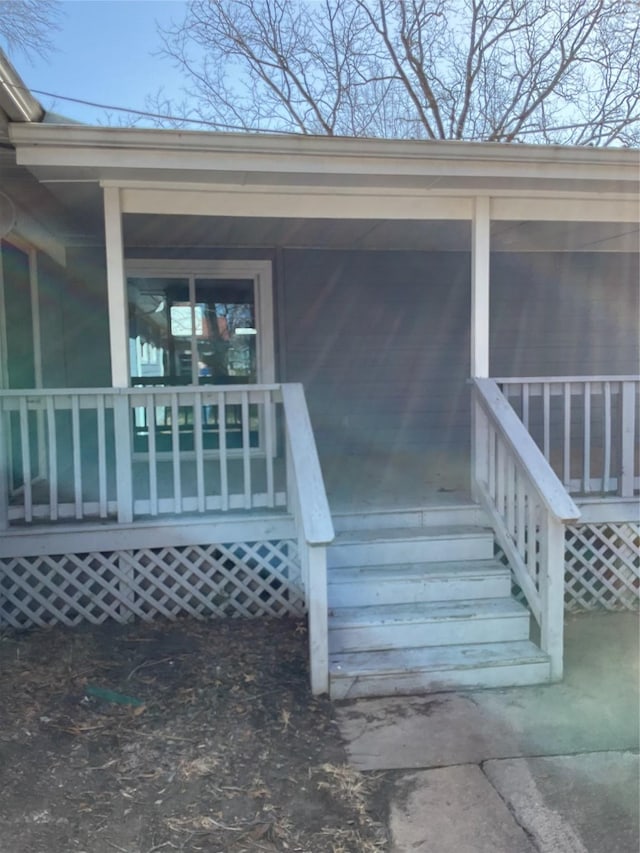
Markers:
480,248
116,289
119,344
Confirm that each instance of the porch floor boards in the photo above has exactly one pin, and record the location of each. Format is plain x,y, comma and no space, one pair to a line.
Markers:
396,480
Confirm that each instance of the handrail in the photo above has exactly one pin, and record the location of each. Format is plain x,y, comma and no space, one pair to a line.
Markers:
515,380
310,507
135,390
546,483
315,515
528,508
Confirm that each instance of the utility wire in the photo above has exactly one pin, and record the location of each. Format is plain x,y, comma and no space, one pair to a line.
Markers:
147,114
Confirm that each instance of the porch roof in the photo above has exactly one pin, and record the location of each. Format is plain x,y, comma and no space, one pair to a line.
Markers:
58,152
260,190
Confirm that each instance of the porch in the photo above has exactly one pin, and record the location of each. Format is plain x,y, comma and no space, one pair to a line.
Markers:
214,286
97,529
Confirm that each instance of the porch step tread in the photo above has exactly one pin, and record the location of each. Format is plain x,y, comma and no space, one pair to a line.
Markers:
392,534
403,614
445,569
434,659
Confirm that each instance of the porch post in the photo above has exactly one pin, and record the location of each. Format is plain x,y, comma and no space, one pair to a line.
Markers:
116,289
480,239
119,344
480,248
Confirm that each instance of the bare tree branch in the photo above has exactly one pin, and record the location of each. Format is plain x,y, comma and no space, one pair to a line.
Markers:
27,26
556,71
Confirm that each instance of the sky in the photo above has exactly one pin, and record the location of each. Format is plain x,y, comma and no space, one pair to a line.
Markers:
104,53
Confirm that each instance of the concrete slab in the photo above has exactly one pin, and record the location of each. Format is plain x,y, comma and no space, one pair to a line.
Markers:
575,803
452,810
595,708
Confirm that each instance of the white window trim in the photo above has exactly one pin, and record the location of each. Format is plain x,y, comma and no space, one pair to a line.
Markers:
259,271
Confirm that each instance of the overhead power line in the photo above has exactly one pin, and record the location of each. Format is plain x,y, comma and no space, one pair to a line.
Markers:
147,114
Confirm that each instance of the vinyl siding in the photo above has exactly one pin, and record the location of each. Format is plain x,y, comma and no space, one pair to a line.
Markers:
555,314
381,342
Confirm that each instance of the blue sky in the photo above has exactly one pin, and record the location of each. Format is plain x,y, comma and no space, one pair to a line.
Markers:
104,54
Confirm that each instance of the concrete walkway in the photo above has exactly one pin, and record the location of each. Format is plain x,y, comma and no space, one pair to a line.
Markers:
552,769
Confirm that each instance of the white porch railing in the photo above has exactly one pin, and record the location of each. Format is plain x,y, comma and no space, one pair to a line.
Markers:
528,507
133,452
588,428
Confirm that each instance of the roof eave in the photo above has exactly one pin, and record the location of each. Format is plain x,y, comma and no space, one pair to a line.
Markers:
16,100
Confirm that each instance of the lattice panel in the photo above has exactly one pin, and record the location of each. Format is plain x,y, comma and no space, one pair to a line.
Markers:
602,563
248,579
602,567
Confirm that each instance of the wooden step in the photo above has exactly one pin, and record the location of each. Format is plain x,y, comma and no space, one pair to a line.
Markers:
418,582
404,626
428,516
410,545
436,669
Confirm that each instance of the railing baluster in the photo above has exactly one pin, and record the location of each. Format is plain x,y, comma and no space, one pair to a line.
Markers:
222,446
566,451
532,538
52,446
606,428
153,458
198,446
546,416
26,460
510,495
525,405
122,417
586,461
491,484
628,443
500,476
269,447
101,415
77,457
246,455
521,525
175,454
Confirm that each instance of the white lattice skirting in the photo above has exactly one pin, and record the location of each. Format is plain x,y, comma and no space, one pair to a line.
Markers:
602,567
247,579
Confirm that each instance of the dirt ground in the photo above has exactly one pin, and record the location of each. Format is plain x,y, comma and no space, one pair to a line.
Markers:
186,736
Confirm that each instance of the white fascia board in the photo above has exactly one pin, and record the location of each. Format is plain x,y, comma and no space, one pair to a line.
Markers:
592,209
310,203
360,203
116,148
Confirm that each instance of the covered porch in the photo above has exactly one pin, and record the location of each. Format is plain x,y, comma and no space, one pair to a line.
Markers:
383,285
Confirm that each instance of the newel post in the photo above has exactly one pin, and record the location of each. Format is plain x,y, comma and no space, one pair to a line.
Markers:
628,439
479,444
318,618
551,587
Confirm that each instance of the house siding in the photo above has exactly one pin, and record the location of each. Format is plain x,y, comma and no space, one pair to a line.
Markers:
564,314
18,318
381,342
381,339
